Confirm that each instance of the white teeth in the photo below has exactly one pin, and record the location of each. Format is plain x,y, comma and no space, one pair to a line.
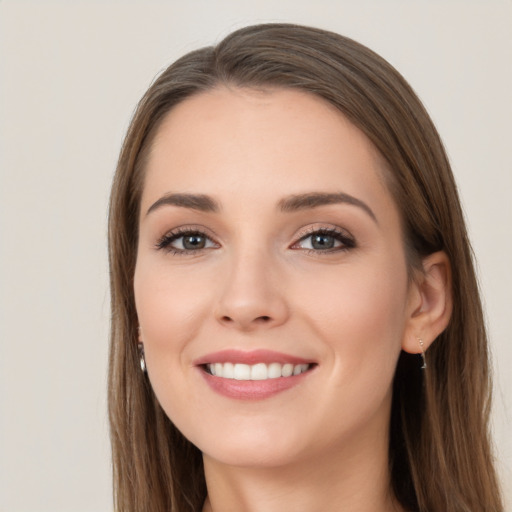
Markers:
259,371
242,371
228,370
274,370
287,370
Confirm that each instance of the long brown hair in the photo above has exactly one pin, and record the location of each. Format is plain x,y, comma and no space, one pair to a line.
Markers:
439,453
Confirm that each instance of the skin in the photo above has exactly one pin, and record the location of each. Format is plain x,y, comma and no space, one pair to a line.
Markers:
259,284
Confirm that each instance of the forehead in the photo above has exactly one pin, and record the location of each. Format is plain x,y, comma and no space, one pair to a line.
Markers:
266,143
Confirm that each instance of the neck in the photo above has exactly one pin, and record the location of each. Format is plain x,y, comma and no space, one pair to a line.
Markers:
354,477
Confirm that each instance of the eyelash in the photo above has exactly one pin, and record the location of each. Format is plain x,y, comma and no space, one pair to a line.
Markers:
165,242
339,235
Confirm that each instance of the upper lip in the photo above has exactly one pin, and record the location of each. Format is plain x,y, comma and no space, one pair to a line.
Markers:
250,357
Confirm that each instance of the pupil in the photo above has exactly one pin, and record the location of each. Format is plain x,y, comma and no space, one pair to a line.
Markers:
194,242
322,242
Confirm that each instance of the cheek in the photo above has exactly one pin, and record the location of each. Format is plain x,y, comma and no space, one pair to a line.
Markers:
171,307
359,312
359,317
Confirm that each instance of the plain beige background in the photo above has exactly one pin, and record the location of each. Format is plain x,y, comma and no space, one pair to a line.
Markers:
70,76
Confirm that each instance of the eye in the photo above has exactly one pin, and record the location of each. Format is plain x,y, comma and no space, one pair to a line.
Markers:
182,242
325,240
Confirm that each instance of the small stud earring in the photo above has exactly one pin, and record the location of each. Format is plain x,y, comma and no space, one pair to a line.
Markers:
422,354
142,360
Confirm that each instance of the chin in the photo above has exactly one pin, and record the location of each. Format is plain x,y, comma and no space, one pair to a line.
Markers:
259,445
256,455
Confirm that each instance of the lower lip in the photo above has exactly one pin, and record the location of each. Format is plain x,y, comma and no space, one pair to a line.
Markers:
252,389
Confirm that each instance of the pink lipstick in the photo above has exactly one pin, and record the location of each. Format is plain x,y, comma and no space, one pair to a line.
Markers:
252,375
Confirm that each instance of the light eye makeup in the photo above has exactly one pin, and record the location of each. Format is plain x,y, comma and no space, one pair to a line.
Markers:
325,240
186,240
189,240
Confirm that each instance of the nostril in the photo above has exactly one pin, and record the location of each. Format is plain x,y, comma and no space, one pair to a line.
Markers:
246,321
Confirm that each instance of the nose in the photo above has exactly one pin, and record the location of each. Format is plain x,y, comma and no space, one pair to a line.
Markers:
252,296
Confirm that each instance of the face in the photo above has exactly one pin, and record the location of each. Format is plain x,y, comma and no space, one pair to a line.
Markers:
271,283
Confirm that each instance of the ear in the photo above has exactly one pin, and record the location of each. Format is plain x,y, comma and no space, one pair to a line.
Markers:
430,303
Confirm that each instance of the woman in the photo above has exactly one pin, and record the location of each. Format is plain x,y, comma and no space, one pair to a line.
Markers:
296,321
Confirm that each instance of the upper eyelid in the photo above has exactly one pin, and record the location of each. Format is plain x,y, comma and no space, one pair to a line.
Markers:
300,234
344,240
164,242
311,230
190,228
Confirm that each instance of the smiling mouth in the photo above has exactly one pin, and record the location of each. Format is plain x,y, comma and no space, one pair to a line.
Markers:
259,371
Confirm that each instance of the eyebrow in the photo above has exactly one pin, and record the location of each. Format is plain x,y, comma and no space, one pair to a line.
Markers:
200,202
204,203
316,199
